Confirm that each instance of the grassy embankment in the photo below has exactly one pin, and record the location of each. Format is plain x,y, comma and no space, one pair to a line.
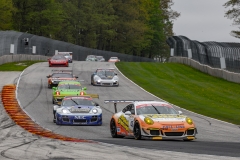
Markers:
16,66
187,88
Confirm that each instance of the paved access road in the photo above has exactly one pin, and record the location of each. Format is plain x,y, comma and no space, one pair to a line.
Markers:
214,137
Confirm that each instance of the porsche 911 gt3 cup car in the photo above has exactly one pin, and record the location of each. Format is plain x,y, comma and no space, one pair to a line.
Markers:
151,120
67,88
77,110
105,77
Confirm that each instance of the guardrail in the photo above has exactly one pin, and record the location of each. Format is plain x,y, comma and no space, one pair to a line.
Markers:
21,57
216,72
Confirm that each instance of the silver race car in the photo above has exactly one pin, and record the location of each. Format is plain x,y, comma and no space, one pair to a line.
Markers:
105,77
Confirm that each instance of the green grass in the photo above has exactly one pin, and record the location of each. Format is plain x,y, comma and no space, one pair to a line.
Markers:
187,88
16,66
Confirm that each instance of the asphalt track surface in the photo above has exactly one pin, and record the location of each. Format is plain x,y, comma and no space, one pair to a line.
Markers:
214,137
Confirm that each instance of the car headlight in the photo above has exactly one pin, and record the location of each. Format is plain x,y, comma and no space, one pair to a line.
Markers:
148,120
115,78
66,111
189,120
94,111
96,78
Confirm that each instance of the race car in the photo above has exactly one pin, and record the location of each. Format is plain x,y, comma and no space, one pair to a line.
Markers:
104,77
91,58
67,88
67,55
151,120
58,60
77,110
100,58
114,59
58,76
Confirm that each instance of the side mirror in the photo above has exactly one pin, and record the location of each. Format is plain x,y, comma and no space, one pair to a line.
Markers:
84,88
128,113
96,104
48,76
180,112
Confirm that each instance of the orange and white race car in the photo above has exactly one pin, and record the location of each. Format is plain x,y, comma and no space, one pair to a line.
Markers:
151,120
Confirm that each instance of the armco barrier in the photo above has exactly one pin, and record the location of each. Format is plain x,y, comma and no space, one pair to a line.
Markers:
21,57
216,72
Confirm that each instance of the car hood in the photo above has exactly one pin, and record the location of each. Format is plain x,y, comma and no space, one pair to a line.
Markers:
164,117
80,109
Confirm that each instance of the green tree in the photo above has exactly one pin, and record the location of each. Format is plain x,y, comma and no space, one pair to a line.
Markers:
234,14
42,18
6,9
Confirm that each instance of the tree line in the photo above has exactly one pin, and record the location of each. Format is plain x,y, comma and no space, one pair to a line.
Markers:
136,27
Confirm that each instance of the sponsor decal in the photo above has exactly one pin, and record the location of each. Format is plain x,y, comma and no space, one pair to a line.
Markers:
165,116
79,117
173,127
118,129
123,122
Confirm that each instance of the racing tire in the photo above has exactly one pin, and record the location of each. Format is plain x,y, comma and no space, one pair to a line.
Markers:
113,129
137,131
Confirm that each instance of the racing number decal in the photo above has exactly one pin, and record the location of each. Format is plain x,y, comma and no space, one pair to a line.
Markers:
131,123
123,122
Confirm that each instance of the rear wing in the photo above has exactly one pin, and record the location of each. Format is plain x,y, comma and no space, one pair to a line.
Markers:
115,102
92,95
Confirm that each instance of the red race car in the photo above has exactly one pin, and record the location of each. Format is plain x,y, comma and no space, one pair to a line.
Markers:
58,60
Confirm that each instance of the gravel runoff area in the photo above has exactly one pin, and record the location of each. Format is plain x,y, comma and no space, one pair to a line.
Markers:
16,143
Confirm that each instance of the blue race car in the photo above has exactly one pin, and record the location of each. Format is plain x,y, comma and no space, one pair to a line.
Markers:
77,110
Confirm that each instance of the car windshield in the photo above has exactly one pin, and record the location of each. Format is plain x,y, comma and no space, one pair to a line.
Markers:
156,109
74,102
69,86
105,73
62,75
58,57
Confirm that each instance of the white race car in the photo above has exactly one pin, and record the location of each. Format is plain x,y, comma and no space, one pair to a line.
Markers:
105,77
